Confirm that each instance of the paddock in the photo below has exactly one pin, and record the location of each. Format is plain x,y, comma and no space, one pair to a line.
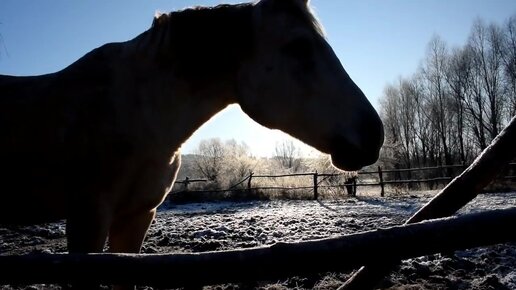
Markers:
72,151
239,226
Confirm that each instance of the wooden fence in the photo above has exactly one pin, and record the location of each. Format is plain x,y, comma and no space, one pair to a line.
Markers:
378,178
270,263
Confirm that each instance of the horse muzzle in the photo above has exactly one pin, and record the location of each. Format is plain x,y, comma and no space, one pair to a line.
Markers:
351,153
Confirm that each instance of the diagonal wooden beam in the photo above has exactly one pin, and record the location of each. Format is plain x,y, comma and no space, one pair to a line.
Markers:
449,200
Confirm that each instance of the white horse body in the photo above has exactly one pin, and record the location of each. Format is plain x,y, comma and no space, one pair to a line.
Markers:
97,143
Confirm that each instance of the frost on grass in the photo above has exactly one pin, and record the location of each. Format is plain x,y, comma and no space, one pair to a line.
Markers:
200,227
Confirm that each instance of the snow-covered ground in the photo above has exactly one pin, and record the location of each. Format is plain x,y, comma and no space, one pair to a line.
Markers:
202,227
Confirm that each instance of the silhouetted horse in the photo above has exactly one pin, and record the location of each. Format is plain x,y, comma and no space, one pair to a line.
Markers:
97,143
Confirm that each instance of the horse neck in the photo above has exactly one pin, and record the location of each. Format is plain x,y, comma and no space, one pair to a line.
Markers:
194,66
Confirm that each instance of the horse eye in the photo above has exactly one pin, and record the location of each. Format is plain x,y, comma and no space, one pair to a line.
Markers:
300,48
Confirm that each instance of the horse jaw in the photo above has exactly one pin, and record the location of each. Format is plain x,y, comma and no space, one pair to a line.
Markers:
352,143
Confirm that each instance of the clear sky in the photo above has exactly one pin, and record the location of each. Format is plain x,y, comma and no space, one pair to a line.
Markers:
376,40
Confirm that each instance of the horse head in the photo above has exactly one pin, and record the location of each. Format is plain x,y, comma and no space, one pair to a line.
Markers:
293,81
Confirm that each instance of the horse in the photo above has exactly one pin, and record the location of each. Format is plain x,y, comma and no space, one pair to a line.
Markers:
98,143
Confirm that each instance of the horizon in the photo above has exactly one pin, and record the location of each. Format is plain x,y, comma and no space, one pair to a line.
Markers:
376,41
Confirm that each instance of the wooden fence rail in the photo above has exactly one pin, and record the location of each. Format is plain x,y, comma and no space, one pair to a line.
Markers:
426,168
351,183
279,261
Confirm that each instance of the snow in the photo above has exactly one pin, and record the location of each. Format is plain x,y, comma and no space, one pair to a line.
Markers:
199,227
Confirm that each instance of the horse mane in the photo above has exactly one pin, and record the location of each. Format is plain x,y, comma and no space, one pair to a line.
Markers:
161,18
203,42
188,15
311,15
196,18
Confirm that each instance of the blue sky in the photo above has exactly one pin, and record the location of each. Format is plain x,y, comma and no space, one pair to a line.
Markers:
376,40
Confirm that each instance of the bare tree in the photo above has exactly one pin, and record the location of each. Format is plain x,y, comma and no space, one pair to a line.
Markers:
486,44
408,116
458,76
209,158
392,152
287,154
238,163
434,72
456,103
222,163
410,140
422,129
509,59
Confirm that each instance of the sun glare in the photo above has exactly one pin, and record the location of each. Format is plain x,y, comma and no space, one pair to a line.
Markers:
233,123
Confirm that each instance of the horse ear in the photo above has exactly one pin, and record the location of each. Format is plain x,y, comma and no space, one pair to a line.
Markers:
159,19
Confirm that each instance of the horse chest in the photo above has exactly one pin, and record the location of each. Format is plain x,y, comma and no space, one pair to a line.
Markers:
144,185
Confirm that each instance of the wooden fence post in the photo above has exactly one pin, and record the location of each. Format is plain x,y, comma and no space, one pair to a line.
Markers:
442,172
380,174
355,186
316,194
185,183
249,180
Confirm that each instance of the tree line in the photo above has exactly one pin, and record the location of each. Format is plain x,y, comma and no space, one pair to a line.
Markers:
456,103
